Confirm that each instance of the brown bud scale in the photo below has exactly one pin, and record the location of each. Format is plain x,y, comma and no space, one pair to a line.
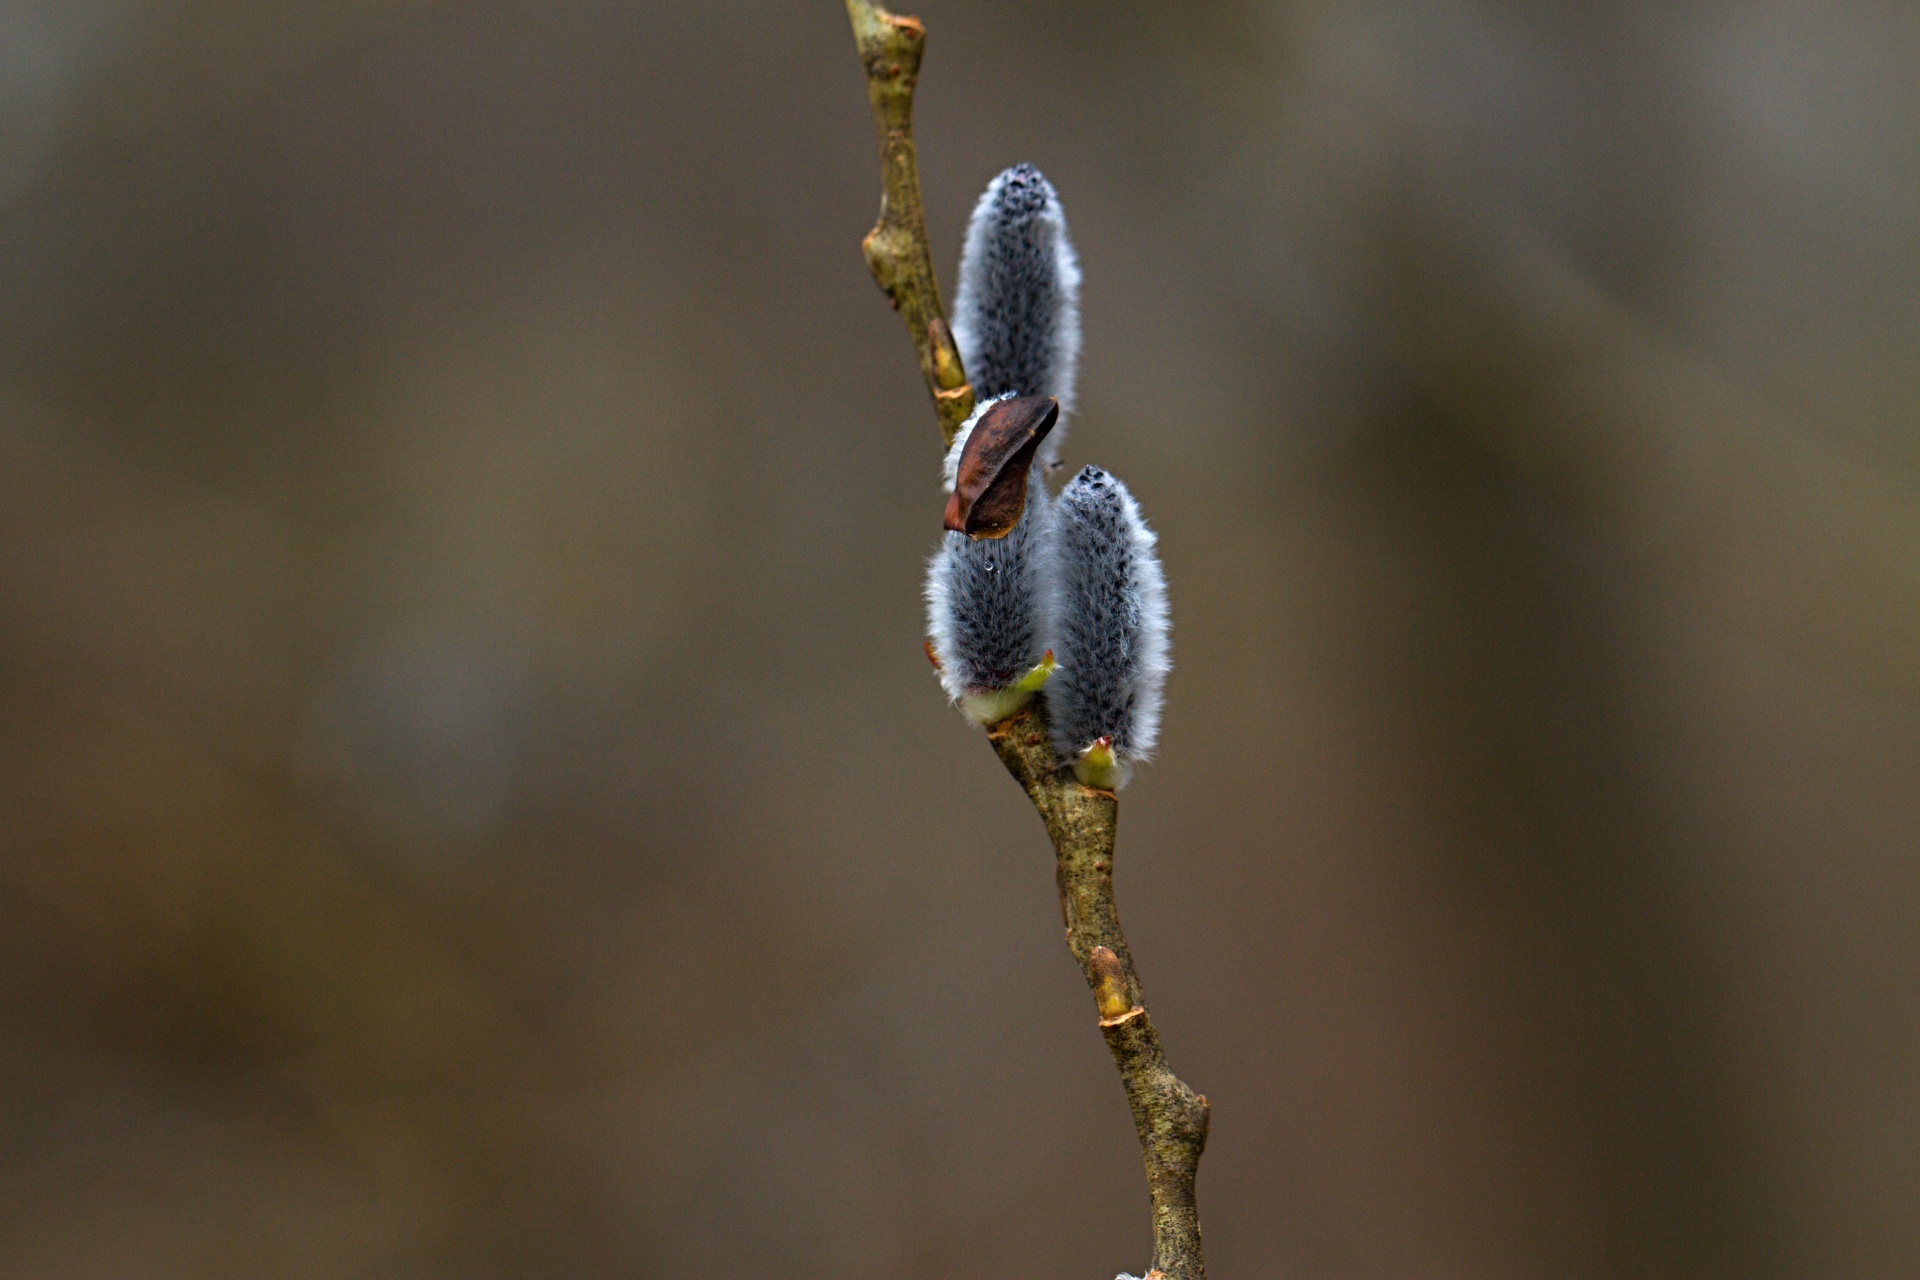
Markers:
990,484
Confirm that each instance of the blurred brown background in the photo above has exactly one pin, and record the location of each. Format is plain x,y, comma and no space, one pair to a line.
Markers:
474,804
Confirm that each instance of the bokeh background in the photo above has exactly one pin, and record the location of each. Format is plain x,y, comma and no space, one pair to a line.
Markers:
474,804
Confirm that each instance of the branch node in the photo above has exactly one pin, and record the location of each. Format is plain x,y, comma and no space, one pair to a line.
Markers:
1110,987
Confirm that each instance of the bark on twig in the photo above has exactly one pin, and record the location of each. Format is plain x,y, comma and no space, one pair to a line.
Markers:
1170,1117
896,248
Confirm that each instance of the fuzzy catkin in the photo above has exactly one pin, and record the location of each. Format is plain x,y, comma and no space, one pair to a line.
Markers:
1016,314
986,600
1108,621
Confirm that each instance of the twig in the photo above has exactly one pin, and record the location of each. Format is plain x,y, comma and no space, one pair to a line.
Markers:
1170,1117
896,248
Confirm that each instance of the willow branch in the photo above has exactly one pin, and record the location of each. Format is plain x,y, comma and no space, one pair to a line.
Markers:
896,249
1170,1117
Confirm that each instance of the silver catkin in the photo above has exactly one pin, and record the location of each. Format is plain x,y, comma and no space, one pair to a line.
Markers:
1016,314
986,601
1108,621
